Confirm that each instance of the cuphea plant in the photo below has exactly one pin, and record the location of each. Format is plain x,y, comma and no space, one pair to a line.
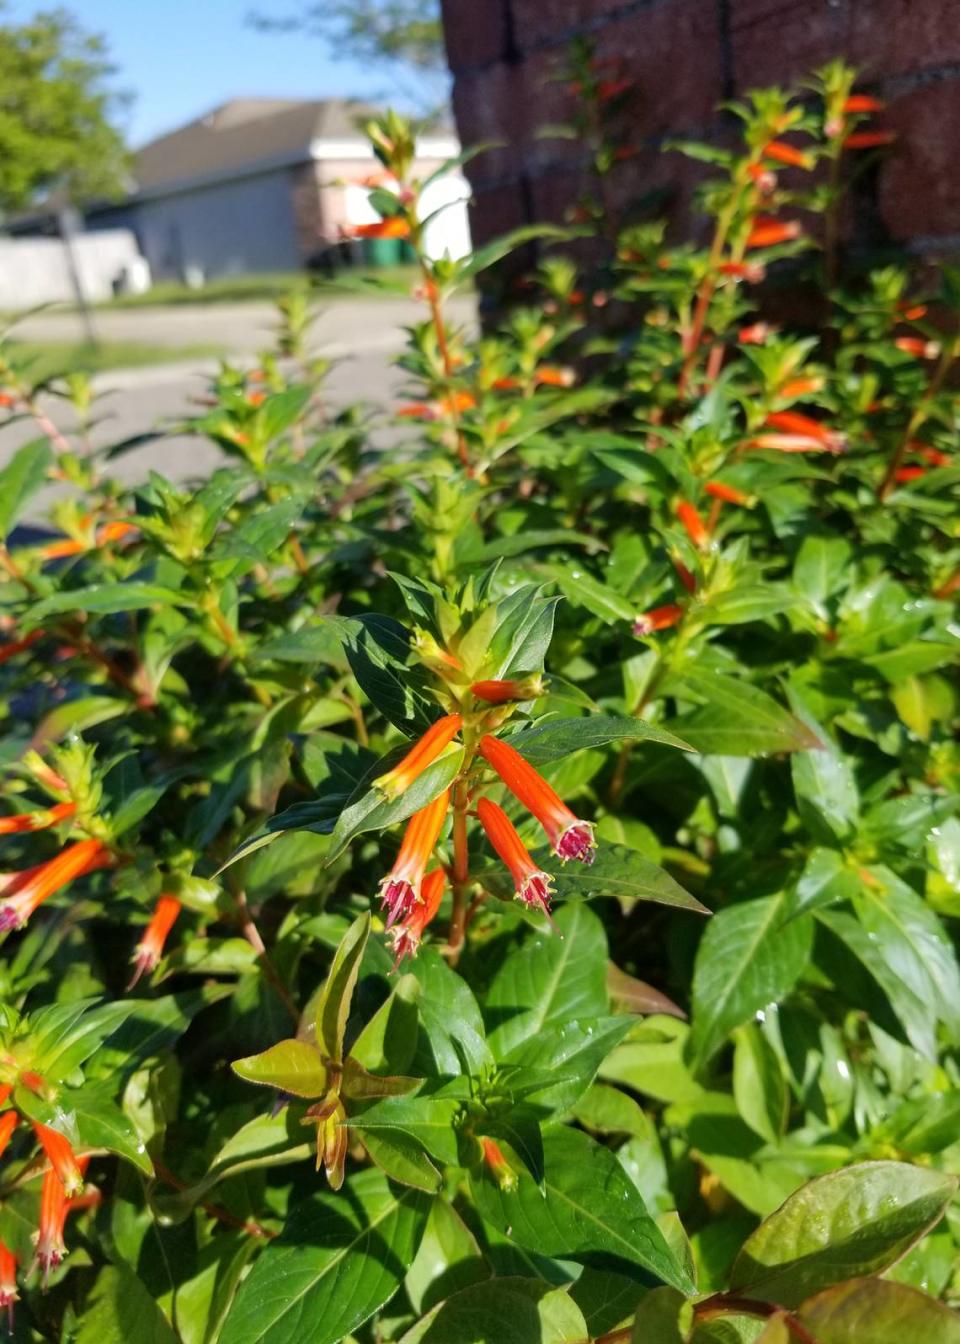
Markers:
362,808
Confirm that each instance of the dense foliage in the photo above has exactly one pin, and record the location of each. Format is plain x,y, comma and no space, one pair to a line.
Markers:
408,781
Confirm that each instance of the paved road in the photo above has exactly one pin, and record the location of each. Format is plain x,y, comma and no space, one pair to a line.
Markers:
363,335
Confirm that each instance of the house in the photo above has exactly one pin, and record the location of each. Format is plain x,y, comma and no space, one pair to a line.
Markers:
266,184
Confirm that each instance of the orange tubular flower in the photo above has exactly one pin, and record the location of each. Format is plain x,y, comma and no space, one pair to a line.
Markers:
533,885
789,443
758,333
423,753
548,375
769,232
501,692
8,1123
751,271
23,892
693,524
149,950
912,311
918,347
498,1166
570,837
764,179
869,139
61,1157
53,1215
115,531
903,475
8,1282
400,890
804,426
781,152
59,550
660,618
801,387
8,651
36,821
862,102
406,936
729,494
394,226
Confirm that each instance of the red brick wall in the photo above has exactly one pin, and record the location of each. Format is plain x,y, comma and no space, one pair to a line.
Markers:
687,55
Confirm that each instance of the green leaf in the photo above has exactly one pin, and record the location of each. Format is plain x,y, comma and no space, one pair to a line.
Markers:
373,812
429,1120
658,1318
120,1309
402,1159
20,480
748,958
449,1258
822,564
851,1222
588,1208
759,1083
339,1258
378,651
333,1005
548,980
555,740
64,1035
265,1141
279,411
619,872
509,1311
901,942
827,796
825,880
598,598
105,598
880,1312
292,1066
451,1038
737,719
571,1053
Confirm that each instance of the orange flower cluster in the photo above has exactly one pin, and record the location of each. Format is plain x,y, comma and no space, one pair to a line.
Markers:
61,1191
410,895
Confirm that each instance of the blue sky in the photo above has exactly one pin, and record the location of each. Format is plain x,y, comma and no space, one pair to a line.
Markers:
182,57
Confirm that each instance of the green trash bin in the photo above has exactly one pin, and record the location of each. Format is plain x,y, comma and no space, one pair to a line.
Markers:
382,251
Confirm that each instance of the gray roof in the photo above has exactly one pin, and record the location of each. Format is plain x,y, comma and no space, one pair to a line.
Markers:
244,134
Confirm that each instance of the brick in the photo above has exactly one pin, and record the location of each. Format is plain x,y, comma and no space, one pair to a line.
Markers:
891,38
538,21
672,52
475,32
919,188
778,41
508,104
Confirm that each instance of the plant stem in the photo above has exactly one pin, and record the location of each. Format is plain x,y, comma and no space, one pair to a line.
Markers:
460,874
252,934
917,419
728,1304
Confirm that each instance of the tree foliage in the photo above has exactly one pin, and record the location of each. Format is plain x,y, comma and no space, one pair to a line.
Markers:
57,112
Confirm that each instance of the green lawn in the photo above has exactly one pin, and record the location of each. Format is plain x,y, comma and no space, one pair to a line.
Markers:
241,288
46,359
